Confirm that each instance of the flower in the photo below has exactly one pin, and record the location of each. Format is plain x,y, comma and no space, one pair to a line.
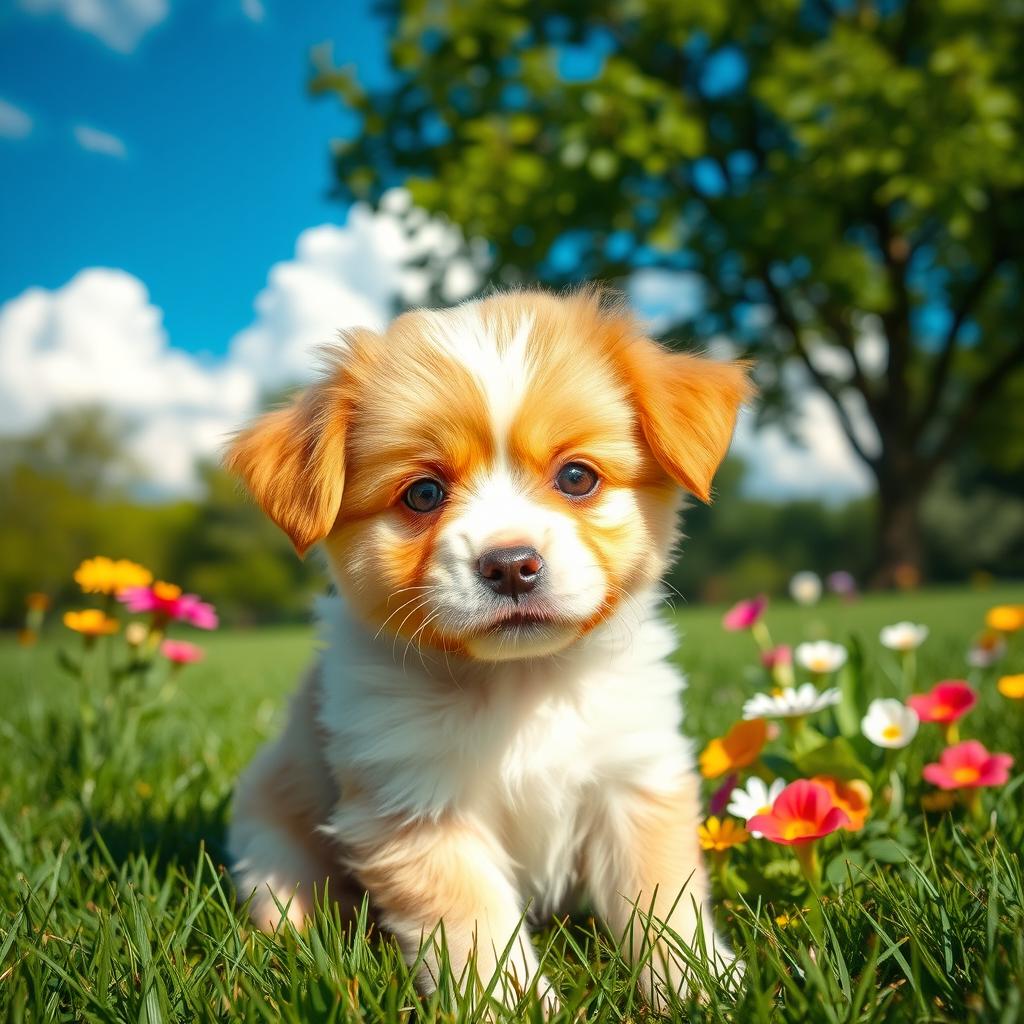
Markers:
903,636
181,652
102,575
739,747
745,614
821,657
777,657
802,812
841,582
167,602
135,634
947,701
940,800
37,602
890,723
720,836
989,648
794,702
757,797
1012,686
1005,618
805,588
968,765
851,796
91,622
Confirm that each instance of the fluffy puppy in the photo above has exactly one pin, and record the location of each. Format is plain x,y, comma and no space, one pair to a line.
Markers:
492,725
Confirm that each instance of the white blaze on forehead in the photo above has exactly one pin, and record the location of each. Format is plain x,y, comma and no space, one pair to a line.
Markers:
502,368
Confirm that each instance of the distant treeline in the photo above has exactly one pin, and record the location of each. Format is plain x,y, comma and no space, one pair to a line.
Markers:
65,495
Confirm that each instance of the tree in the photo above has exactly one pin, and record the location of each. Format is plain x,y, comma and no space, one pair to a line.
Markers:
845,176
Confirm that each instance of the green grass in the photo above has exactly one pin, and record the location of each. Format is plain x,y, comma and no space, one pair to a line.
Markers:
116,905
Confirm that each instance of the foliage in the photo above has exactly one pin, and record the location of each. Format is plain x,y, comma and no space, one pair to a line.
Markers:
120,908
833,172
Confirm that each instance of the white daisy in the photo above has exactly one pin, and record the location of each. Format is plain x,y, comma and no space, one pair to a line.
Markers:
757,797
890,723
821,657
792,702
805,588
903,636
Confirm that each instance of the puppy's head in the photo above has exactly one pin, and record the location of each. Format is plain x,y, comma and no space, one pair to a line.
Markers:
494,480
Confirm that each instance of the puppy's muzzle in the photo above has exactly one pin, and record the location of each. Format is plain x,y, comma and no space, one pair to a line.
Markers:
512,571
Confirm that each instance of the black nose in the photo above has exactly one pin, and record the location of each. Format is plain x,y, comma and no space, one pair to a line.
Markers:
511,571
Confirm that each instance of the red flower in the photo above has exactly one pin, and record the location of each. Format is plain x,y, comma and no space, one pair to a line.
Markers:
745,614
777,656
967,766
169,604
803,812
181,652
947,702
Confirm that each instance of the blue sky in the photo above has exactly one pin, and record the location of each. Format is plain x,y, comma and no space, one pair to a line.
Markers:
225,156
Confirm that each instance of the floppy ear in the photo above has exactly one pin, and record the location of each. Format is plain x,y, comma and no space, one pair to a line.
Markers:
688,406
293,462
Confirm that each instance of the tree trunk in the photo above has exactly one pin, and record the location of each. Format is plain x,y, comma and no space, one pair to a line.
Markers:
899,549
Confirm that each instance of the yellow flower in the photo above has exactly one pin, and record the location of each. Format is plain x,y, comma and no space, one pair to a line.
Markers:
738,748
166,591
721,835
102,575
1012,686
1006,618
91,622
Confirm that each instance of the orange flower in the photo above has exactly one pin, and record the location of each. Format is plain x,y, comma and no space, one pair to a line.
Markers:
739,747
720,836
37,602
1012,686
1005,618
91,622
853,797
940,800
27,637
102,575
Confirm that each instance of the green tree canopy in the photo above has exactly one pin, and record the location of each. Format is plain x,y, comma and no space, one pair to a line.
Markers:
846,178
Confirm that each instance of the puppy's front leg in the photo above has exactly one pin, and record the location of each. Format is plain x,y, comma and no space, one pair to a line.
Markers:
647,879
453,874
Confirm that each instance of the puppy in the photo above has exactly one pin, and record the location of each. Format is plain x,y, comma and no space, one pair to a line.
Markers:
491,726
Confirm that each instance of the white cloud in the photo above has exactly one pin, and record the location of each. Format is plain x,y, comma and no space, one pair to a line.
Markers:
98,340
96,141
14,122
254,10
664,298
118,23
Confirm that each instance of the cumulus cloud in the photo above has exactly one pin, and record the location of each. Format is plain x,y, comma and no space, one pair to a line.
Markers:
14,122
120,24
96,141
98,340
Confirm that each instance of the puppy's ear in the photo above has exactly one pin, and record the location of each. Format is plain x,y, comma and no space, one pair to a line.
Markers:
293,462
688,406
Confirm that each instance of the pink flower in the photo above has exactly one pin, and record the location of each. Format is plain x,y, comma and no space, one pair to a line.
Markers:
947,702
169,604
745,614
967,766
720,797
777,657
181,652
802,812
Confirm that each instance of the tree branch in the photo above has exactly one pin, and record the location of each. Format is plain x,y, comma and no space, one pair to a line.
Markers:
831,388
984,389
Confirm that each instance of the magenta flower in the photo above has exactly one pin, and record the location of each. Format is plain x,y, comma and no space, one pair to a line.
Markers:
169,604
947,701
777,657
720,797
181,652
802,812
745,614
968,765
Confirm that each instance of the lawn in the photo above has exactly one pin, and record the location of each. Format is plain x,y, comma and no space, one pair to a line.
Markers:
117,906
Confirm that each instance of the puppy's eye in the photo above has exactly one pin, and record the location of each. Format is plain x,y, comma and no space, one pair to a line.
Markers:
424,496
575,479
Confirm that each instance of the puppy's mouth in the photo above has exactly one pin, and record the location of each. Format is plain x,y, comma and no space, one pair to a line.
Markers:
520,619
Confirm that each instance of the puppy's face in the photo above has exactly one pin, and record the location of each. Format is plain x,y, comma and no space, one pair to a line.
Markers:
496,479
